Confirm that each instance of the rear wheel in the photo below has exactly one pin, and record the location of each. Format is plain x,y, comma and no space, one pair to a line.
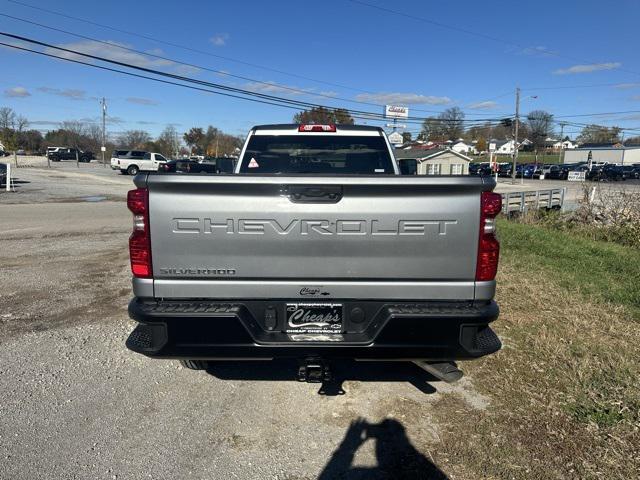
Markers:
133,170
194,364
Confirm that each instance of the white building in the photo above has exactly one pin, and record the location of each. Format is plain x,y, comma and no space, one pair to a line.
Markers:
617,155
461,146
555,144
505,147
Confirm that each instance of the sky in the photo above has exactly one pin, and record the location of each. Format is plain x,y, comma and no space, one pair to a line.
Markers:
571,58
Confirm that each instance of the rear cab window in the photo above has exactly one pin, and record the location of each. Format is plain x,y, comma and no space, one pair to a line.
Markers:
308,153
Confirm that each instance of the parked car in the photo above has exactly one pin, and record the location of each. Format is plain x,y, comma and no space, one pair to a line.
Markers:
131,162
3,173
505,170
187,166
613,173
281,261
483,168
561,171
63,153
528,171
631,172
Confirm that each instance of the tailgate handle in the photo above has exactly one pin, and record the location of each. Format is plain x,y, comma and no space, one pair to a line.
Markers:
314,193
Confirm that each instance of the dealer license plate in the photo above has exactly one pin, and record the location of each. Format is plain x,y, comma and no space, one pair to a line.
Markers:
324,318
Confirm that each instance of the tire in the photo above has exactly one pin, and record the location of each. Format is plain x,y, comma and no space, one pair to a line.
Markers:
194,364
133,170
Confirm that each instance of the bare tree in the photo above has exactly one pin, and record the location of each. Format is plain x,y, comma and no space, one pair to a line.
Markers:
169,142
321,115
432,130
134,139
20,123
452,120
599,134
7,118
93,134
540,125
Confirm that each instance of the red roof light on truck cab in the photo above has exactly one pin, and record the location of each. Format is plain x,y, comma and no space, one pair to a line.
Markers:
140,239
317,128
488,245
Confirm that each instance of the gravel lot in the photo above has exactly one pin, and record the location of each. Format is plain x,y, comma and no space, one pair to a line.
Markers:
75,403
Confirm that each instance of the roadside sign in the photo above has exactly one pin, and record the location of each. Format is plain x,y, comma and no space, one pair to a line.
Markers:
396,138
492,147
103,149
576,176
395,111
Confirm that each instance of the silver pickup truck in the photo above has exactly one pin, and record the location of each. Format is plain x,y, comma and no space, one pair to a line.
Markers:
316,248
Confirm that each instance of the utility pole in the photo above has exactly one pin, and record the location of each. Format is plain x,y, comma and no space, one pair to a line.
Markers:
561,142
104,116
515,138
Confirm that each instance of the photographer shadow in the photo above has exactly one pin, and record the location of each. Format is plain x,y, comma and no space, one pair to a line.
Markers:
397,458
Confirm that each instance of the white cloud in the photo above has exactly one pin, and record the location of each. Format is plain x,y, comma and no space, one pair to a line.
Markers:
402,98
219,39
594,67
141,101
112,51
624,86
73,93
488,105
16,92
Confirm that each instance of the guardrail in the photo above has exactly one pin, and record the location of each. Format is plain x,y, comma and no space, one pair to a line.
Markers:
534,199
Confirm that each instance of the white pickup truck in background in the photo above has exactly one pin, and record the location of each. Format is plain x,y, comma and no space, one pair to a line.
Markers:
131,162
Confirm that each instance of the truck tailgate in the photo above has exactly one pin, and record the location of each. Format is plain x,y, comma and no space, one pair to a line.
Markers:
209,233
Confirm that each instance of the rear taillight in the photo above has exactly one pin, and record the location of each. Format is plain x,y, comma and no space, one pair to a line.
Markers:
317,128
488,245
140,239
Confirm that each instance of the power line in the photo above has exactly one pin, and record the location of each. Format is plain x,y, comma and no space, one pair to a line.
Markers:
185,47
241,93
219,72
101,67
270,98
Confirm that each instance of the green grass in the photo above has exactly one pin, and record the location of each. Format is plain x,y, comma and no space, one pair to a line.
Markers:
599,270
564,396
